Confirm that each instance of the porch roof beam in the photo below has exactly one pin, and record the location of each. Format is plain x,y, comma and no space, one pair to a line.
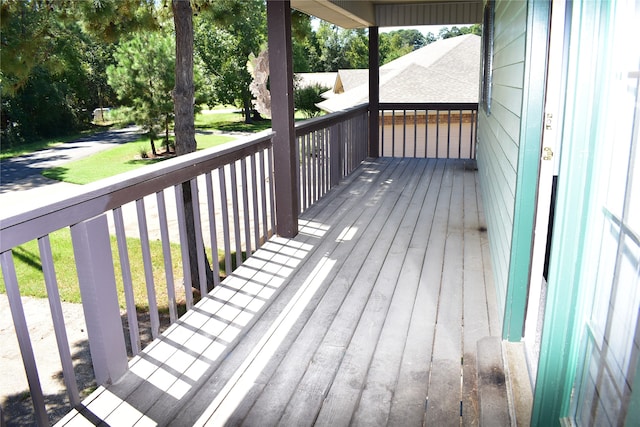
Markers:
392,13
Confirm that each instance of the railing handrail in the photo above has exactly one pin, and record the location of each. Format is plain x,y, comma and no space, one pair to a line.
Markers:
116,191
329,119
428,105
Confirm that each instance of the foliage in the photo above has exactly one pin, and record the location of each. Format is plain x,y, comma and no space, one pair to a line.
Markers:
226,33
340,48
143,77
400,42
304,43
446,32
52,71
306,98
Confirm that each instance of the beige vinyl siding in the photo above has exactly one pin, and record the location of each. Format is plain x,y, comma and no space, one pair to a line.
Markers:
499,136
434,13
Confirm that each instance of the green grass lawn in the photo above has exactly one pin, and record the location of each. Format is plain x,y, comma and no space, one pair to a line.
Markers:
29,270
107,163
117,160
229,122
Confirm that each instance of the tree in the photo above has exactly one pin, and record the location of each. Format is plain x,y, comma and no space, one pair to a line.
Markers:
339,48
397,43
143,77
306,98
52,73
304,43
356,48
446,33
227,33
53,63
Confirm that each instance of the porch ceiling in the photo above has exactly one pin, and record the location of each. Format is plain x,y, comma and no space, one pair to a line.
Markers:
392,13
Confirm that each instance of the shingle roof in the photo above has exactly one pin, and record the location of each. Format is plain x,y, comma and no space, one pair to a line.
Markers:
445,71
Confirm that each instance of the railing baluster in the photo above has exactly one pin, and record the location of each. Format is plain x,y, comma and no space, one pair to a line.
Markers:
426,133
148,268
245,207
127,283
263,196
199,243
474,133
254,193
381,143
316,159
57,316
236,215
448,133
166,255
437,134
302,203
22,333
415,133
184,247
327,159
213,229
404,133
225,220
460,134
272,207
393,133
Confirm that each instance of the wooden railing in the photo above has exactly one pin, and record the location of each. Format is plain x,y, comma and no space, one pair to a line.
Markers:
230,213
207,211
436,130
330,148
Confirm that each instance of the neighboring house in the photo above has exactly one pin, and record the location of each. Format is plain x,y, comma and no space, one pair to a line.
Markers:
445,71
303,80
557,144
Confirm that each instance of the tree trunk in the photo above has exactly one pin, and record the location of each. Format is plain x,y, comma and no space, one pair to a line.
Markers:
166,135
183,98
153,147
247,110
183,93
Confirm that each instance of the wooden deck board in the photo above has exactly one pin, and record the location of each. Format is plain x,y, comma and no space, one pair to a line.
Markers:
361,319
443,405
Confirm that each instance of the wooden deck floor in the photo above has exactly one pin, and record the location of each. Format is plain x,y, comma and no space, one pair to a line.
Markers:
370,316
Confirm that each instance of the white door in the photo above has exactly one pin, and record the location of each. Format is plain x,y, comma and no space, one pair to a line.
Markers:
548,169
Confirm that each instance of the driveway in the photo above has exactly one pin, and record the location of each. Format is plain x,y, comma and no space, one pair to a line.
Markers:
23,173
17,169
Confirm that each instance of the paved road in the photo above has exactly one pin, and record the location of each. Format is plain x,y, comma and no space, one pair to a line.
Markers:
14,171
19,174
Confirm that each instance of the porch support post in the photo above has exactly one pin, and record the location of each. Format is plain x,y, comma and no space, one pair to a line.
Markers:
374,92
284,148
97,279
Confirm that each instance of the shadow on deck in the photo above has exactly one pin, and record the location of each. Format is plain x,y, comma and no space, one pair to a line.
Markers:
369,316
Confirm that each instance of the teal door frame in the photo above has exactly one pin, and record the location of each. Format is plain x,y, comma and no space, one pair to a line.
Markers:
562,329
531,128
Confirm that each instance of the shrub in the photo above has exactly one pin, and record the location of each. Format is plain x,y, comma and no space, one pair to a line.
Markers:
306,98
